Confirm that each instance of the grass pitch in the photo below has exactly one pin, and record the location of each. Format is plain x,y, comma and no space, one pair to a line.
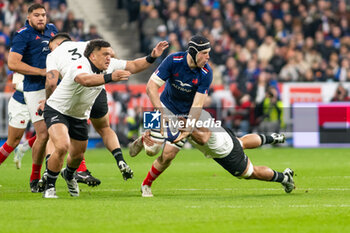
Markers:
194,195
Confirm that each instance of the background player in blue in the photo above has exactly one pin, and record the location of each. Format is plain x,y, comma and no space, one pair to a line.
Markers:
28,56
18,120
188,77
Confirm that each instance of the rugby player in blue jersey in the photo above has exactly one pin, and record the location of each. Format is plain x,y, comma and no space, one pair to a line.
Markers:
28,56
187,78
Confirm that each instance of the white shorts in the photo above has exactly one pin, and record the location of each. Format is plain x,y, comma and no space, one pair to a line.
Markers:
32,99
18,114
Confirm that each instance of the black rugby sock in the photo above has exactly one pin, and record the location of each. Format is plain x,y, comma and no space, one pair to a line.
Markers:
118,155
69,172
266,139
277,176
51,179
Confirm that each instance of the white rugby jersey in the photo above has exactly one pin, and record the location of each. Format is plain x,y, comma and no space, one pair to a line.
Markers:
62,57
219,145
74,100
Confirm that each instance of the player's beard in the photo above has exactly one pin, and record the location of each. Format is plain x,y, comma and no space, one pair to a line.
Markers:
39,28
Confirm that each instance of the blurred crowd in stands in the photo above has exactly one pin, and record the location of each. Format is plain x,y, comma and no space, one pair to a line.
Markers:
296,40
13,14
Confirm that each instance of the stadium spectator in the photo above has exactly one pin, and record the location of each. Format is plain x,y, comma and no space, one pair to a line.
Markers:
92,34
133,8
341,94
241,119
272,113
149,29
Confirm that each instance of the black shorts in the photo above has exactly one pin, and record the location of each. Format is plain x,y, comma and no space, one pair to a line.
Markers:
100,107
235,162
77,129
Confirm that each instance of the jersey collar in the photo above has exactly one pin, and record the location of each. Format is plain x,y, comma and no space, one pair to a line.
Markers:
94,68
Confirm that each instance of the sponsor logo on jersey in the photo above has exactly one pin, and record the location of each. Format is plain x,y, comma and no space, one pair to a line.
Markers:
183,84
37,37
46,43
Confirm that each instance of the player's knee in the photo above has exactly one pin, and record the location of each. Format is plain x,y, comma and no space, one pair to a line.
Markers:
164,160
104,131
62,148
249,172
78,157
42,135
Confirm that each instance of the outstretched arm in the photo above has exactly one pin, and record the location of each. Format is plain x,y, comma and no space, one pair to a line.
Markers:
141,64
201,135
92,80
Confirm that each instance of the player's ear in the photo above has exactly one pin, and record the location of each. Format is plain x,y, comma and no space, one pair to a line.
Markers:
92,56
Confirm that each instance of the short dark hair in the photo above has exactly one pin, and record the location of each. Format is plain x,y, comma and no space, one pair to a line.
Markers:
61,35
95,44
35,6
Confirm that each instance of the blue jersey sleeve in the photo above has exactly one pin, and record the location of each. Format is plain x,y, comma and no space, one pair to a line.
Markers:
19,44
206,82
164,69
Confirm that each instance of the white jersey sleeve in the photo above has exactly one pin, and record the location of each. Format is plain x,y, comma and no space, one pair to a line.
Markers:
116,64
51,62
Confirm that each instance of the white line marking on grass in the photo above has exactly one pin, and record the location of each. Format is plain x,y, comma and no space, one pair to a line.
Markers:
224,189
262,206
269,189
332,177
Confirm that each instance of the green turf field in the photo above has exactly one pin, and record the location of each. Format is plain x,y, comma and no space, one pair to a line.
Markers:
193,195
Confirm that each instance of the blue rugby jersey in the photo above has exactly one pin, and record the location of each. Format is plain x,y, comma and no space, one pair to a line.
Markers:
182,82
34,47
18,95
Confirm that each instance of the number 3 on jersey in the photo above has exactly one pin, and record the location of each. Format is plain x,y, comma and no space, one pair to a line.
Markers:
75,55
